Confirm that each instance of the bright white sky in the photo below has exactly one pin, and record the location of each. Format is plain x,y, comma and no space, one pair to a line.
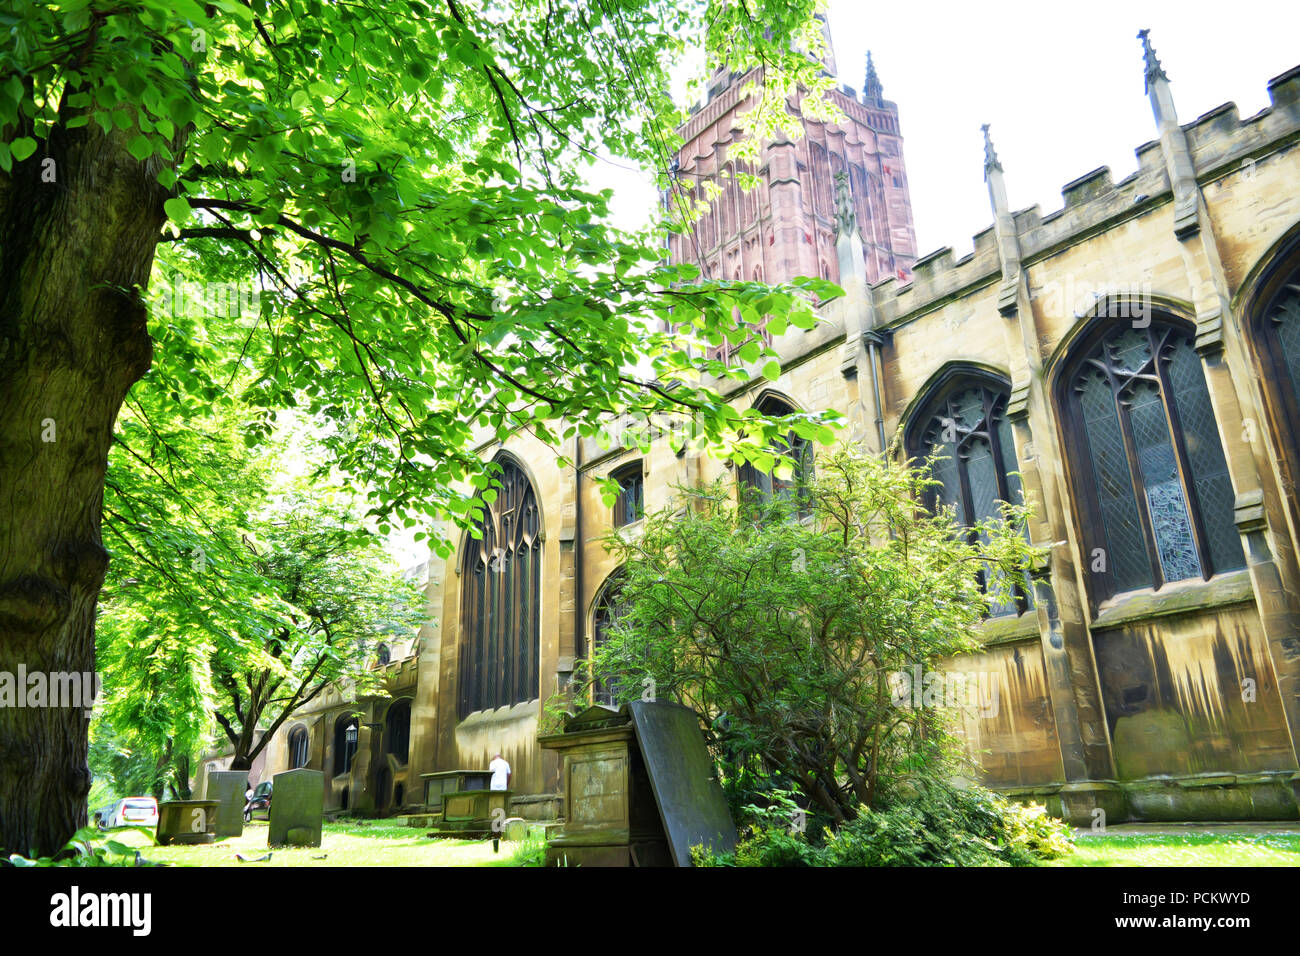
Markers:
1060,84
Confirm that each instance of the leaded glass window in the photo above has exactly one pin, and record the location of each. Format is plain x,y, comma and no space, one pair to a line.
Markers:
398,725
630,504
967,433
797,451
610,606
501,588
1153,479
345,743
1279,335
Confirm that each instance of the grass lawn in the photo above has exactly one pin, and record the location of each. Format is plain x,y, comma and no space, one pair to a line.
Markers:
1190,848
342,844
356,843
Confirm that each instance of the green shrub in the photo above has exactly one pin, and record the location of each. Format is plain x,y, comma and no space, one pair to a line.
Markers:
941,825
88,847
800,689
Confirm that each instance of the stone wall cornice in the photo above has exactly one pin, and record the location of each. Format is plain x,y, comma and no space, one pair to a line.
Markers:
1220,143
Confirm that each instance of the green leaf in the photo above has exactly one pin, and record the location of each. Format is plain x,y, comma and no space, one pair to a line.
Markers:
22,147
178,209
140,147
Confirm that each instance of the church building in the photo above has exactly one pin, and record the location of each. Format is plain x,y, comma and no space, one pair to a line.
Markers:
1128,363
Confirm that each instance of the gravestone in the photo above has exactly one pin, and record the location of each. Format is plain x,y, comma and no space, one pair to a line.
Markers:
227,788
639,788
515,830
297,804
691,804
186,822
476,811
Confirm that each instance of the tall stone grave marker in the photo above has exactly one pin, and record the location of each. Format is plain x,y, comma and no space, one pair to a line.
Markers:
297,806
227,788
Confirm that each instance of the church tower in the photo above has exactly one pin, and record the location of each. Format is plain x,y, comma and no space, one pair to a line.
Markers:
785,226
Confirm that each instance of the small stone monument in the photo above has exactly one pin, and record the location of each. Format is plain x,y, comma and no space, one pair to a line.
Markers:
186,822
227,788
297,806
639,788
515,830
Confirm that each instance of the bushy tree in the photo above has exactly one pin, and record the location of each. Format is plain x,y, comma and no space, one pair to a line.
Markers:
785,631
240,617
403,181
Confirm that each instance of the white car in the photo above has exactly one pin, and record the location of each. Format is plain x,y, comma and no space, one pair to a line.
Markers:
130,812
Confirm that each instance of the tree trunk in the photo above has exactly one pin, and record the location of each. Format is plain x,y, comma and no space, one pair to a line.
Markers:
73,339
181,778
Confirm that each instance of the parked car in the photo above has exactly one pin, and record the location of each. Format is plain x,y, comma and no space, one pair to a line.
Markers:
101,816
130,812
259,804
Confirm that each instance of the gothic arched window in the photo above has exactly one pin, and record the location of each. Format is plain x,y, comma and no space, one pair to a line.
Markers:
610,606
965,427
398,725
500,594
797,451
346,729
1149,470
629,507
298,748
1277,332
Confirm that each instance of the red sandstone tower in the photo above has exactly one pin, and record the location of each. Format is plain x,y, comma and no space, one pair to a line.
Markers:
785,226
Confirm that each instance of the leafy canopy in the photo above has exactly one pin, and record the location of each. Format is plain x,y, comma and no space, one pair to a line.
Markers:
236,591
402,185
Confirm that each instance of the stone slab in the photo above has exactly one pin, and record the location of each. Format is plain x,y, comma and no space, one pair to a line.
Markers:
186,822
227,788
297,802
515,829
691,804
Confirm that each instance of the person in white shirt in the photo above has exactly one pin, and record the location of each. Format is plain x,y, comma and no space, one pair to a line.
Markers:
500,773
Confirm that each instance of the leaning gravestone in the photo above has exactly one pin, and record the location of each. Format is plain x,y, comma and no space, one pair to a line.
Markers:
297,806
227,788
691,803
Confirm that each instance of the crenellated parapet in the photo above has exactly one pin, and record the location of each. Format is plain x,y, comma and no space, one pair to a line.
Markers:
1217,144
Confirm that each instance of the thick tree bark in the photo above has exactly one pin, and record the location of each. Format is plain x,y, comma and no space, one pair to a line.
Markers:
73,339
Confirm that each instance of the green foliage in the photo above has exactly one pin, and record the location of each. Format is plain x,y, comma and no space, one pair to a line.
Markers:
946,826
941,825
236,591
784,631
403,181
127,763
530,852
89,847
